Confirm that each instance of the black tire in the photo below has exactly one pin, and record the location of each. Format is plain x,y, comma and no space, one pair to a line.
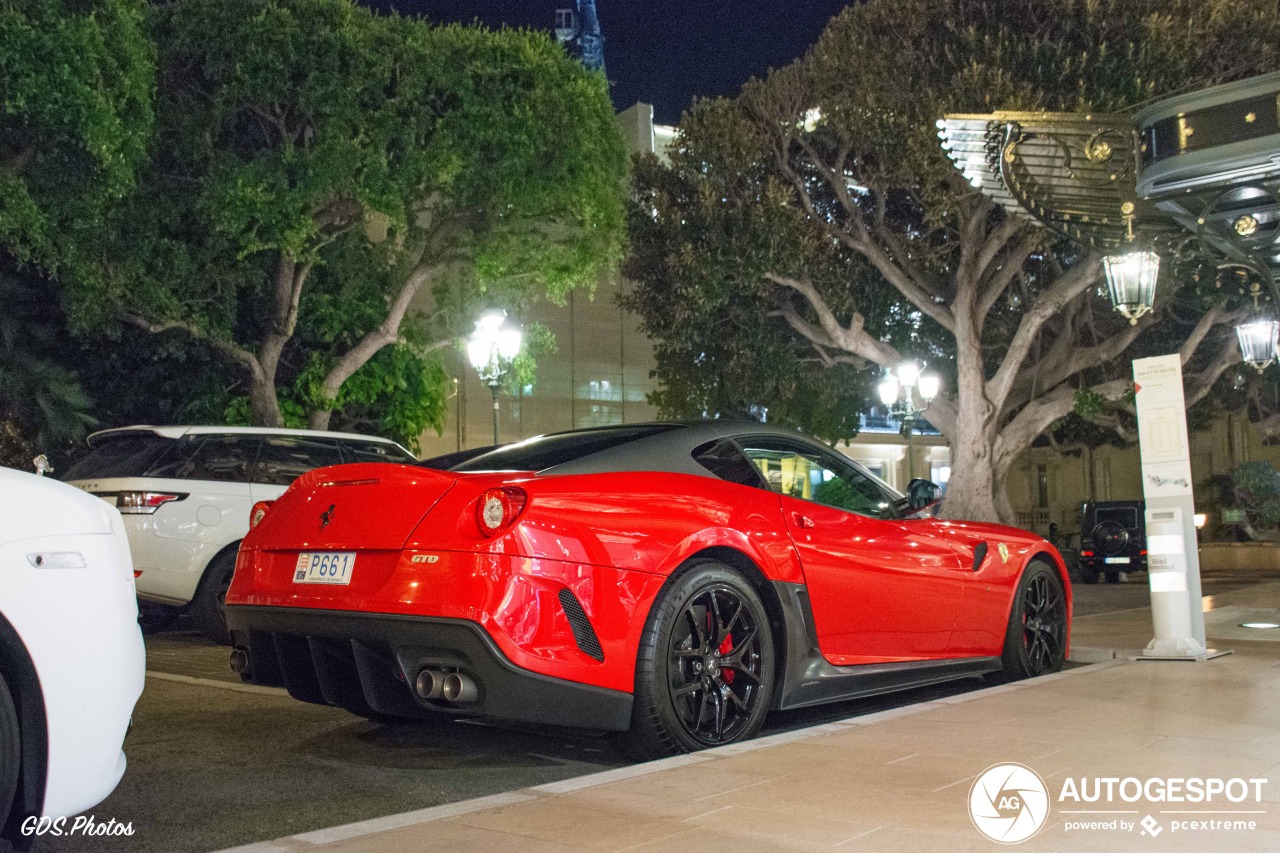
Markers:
154,618
10,752
691,666
1110,538
1088,575
208,607
1035,640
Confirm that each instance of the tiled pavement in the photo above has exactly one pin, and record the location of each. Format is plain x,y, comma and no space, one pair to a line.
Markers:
900,780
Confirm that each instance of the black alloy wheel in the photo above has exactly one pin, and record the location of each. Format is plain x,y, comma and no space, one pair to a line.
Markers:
1036,639
705,672
714,665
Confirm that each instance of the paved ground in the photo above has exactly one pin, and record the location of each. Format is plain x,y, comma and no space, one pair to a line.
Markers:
914,778
214,764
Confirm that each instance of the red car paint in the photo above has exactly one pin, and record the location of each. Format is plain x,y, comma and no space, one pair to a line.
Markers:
881,591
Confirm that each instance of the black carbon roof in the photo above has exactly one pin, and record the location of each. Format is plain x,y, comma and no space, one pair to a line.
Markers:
663,446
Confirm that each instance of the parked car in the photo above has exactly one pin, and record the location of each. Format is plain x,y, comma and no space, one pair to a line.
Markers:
71,656
186,493
1113,539
672,581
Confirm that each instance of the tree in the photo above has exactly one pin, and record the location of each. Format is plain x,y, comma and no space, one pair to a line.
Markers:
315,158
1011,313
43,407
76,81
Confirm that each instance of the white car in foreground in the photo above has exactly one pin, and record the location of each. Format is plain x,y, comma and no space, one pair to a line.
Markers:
71,656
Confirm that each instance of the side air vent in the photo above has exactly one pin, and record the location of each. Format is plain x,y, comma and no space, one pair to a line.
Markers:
979,554
583,634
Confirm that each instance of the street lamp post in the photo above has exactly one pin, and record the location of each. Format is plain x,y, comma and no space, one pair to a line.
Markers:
898,392
490,349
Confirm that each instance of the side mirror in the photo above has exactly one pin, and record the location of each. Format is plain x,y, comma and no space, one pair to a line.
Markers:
921,493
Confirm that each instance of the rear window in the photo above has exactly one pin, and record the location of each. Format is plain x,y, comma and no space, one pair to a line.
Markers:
126,455
538,454
373,451
1126,517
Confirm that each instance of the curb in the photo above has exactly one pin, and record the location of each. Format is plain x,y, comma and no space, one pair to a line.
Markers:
346,832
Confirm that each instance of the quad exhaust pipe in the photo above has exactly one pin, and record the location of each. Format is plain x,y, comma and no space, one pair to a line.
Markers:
453,687
429,684
459,689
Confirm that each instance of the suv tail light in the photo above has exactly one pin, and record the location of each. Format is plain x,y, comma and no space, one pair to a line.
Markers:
1086,553
498,508
144,503
258,512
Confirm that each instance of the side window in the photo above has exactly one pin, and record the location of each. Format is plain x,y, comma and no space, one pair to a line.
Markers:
372,451
802,472
179,460
223,457
284,458
723,459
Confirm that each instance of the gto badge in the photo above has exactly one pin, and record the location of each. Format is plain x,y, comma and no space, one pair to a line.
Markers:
1004,552
327,516
424,558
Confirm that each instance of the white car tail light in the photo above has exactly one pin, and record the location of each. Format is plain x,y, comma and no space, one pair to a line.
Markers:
144,503
498,508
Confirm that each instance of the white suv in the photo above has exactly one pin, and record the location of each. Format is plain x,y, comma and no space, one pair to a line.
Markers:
186,493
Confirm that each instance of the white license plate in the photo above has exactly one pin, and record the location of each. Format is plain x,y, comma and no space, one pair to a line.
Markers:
324,567
1123,560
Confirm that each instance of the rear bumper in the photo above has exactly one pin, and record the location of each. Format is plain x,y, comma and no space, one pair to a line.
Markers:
368,662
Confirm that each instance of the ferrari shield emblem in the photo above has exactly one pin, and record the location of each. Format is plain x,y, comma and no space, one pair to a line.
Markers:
1004,552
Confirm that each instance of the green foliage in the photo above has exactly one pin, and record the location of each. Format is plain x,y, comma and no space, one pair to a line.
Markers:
834,163
42,404
76,83
704,230
1255,488
538,343
363,155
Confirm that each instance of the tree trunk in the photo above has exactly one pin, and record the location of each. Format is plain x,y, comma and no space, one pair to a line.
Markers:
264,405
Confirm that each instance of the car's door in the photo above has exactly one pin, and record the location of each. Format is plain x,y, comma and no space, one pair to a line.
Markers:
880,589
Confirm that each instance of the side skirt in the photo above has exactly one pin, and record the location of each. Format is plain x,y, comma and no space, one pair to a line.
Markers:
809,679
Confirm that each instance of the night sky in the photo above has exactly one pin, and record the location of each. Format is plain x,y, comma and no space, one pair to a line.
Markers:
664,52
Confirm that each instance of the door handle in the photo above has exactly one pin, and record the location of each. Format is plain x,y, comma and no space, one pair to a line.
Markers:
802,521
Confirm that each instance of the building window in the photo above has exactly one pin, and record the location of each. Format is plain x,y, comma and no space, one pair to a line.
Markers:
1042,486
940,473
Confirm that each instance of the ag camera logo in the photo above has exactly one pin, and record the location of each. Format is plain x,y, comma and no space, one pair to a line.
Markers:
1009,803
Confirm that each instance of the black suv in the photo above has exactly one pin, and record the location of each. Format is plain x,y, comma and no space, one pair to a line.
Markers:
1113,539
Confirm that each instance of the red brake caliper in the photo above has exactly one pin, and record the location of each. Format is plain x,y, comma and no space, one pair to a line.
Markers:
727,646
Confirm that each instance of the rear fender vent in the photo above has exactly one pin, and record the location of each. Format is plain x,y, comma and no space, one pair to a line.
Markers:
583,634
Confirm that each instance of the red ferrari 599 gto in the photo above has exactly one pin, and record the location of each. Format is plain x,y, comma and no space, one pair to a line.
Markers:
672,581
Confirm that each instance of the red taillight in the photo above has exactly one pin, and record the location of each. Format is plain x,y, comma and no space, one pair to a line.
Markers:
137,573
1142,553
144,503
259,510
498,508
1086,553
